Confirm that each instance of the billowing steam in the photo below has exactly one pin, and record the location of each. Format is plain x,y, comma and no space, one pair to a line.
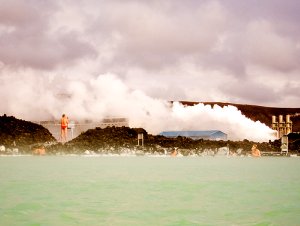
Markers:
43,98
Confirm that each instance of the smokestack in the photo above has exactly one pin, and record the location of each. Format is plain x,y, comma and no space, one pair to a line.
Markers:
288,125
275,125
280,119
281,126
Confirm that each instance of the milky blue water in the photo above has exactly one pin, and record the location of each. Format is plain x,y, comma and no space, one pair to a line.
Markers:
74,190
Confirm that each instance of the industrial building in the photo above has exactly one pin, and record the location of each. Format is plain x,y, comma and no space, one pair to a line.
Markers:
283,129
196,135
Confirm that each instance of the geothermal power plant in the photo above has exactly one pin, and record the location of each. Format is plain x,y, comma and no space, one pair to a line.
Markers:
75,128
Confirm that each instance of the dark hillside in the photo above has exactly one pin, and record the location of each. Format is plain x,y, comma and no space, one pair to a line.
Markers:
19,133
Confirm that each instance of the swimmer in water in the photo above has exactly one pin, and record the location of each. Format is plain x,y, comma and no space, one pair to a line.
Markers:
174,153
255,152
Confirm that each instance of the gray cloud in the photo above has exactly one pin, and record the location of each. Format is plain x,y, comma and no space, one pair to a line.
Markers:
42,52
198,50
274,10
251,91
152,37
27,41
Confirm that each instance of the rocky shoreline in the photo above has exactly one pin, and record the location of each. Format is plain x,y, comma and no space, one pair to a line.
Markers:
23,137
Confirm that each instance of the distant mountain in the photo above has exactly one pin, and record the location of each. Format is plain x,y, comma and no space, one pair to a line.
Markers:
259,113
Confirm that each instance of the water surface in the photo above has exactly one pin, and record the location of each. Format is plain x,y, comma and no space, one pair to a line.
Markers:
74,190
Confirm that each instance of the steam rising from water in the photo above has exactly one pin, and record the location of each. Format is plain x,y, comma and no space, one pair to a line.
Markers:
44,98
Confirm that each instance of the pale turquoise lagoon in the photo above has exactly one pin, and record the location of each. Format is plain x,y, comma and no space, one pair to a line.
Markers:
137,191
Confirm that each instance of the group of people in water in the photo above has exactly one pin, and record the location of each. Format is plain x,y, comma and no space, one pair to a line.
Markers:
255,152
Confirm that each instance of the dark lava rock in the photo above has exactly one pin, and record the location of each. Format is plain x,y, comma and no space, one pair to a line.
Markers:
117,139
111,139
294,142
16,133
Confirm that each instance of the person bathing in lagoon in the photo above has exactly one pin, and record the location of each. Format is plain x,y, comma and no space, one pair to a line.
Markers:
255,152
174,153
64,128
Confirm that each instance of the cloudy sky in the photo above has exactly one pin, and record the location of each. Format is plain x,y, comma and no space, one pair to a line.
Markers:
234,51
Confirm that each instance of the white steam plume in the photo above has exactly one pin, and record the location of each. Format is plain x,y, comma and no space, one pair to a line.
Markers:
39,98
